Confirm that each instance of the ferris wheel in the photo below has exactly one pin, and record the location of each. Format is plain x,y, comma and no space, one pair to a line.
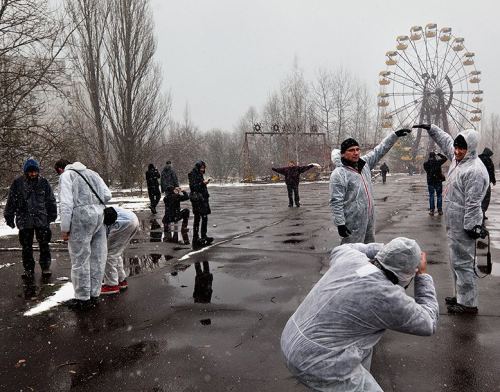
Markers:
430,78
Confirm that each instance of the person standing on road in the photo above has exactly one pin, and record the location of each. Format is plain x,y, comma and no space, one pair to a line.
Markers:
32,206
201,207
82,216
463,194
152,176
119,235
485,157
384,169
351,189
435,180
328,342
292,174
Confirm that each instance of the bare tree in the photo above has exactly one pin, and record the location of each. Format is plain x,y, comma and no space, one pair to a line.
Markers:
135,108
342,100
322,98
221,153
88,19
31,81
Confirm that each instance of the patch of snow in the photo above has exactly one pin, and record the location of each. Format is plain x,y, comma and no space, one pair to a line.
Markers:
65,293
6,265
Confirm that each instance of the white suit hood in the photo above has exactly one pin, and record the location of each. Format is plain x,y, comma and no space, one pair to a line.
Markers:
471,137
401,256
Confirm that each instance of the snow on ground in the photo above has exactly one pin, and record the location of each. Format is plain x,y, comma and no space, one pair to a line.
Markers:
65,293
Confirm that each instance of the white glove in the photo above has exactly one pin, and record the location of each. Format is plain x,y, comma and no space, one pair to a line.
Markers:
316,165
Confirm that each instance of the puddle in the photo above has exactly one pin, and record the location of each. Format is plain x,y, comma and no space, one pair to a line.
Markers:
206,282
294,234
138,265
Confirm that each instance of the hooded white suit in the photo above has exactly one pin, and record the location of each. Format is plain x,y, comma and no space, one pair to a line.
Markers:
82,217
466,186
328,341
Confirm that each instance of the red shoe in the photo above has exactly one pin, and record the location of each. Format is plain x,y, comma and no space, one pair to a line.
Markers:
105,289
123,285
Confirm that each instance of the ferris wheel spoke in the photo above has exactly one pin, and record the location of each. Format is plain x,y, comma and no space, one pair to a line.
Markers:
403,123
436,52
455,81
459,125
427,55
407,61
463,92
465,103
453,64
403,77
461,114
404,107
440,72
405,94
409,77
418,58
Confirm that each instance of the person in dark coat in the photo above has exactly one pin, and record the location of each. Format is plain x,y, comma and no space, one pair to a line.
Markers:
292,174
31,203
199,200
152,176
435,180
169,179
485,157
384,169
173,212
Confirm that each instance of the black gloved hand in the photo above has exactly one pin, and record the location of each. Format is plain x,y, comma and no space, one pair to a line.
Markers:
441,155
343,231
423,126
402,132
11,223
475,233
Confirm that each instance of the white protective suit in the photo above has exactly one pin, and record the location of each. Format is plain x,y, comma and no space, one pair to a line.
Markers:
351,193
119,235
467,183
328,341
82,216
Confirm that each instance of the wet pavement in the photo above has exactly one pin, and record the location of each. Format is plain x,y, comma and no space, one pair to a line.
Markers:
211,320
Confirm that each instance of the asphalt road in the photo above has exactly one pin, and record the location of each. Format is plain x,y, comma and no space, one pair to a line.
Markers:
211,320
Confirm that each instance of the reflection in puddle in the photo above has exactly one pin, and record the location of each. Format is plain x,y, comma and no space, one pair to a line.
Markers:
292,241
206,282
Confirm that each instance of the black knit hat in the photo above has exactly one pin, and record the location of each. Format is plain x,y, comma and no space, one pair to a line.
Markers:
347,143
460,142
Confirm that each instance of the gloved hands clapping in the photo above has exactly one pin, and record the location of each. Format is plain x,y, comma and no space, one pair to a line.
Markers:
402,132
343,231
423,126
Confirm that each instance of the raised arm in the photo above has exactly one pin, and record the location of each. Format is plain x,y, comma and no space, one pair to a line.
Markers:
280,170
378,152
442,139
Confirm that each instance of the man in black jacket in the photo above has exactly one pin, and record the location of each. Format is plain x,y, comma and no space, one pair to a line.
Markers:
292,178
485,157
435,180
152,176
384,169
31,203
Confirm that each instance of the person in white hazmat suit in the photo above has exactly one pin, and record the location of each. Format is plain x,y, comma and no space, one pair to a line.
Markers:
82,226
119,235
465,189
328,341
351,190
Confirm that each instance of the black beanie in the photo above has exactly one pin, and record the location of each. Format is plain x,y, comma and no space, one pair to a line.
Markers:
460,142
432,154
347,143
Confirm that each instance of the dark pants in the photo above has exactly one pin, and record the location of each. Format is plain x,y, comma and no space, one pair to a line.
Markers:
154,197
183,214
196,225
293,189
384,176
438,189
486,201
43,236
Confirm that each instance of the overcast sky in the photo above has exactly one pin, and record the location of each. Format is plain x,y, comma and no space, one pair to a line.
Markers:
223,56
